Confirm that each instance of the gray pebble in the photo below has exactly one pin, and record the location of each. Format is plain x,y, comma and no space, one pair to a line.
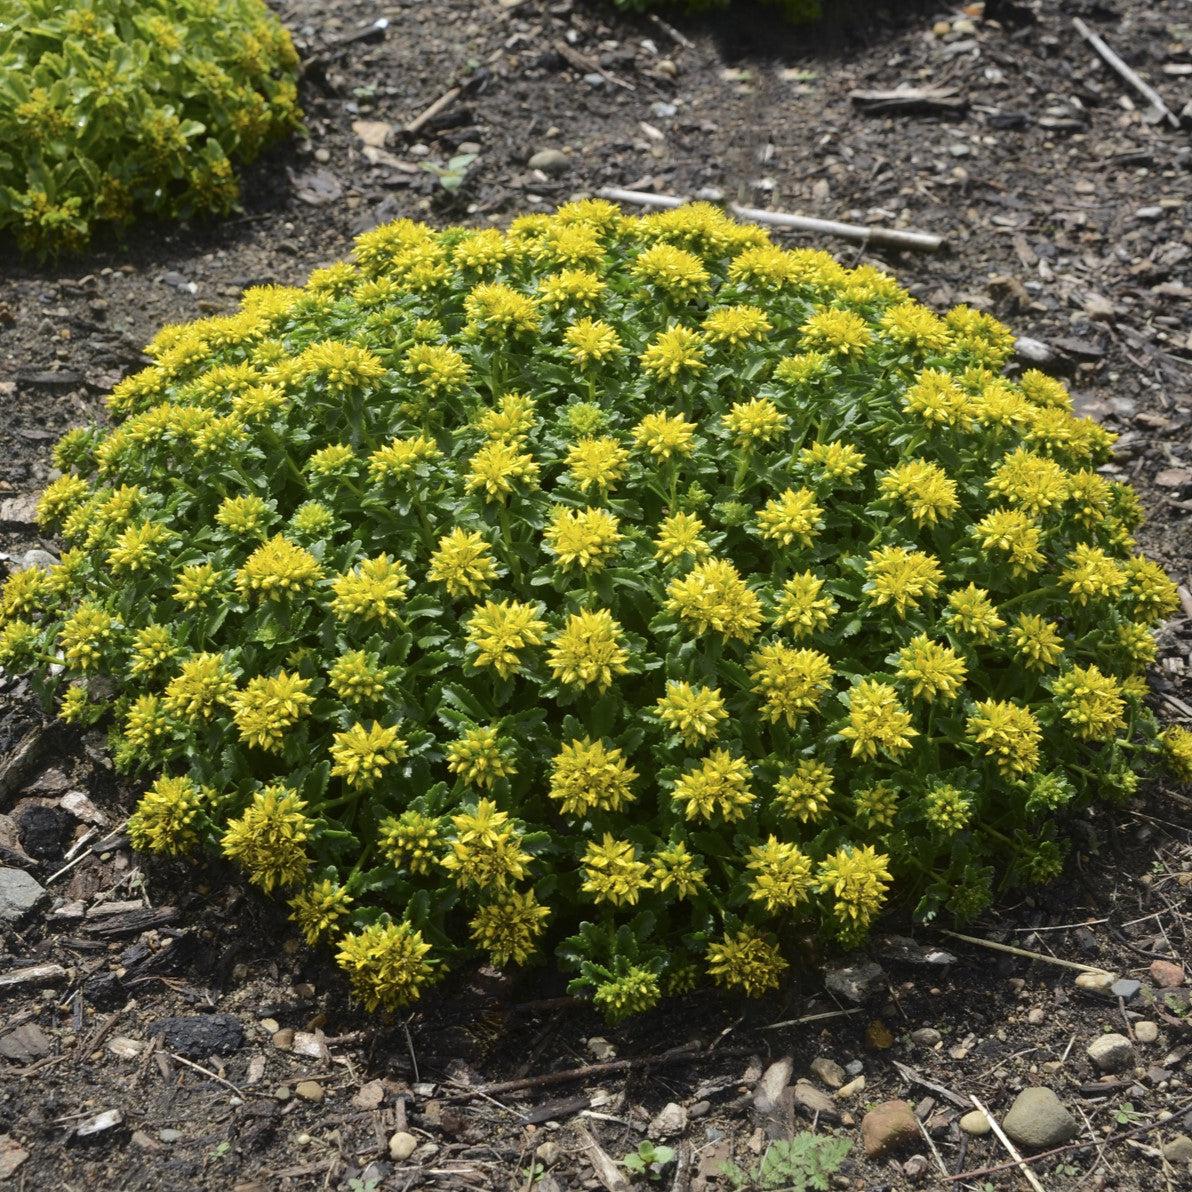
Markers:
550,161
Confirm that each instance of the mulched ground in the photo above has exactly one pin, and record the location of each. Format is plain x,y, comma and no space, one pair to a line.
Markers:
1065,207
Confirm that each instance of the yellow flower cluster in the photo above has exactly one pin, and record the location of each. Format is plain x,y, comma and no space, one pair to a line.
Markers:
632,577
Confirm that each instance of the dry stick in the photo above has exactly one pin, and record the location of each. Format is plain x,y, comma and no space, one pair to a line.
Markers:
997,1168
582,62
429,113
773,1026
1093,1139
881,237
87,852
544,1080
1031,1178
1027,953
671,32
1132,77
931,1144
207,1072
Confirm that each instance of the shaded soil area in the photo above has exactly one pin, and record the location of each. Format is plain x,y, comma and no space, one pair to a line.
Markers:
175,1034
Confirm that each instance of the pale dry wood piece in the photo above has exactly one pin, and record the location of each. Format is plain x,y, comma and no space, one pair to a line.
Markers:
103,909
939,1159
1031,1178
773,1026
607,1172
683,1166
87,852
1026,953
131,922
1093,1139
1106,54
1185,599
1178,704
588,65
878,237
370,33
912,1077
430,112
31,977
906,100
208,1073
671,32
684,1054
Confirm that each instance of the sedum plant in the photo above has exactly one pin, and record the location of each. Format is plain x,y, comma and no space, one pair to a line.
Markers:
110,108
632,587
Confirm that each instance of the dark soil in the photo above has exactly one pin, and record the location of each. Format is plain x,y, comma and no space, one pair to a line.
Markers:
1065,209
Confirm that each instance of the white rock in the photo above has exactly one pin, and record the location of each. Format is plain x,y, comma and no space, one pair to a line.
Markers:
670,1120
772,1084
550,161
1095,982
814,1100
402,1145
975,1123
1111,1053
83,809
829,1071
310,1044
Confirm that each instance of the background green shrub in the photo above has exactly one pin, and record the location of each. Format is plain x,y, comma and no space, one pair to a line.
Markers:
633,578
110,108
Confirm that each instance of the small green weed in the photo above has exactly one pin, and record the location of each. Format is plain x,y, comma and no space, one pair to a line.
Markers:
649,1160
806,1162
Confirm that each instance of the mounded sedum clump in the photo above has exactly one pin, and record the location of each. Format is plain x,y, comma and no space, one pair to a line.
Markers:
629,577
112,108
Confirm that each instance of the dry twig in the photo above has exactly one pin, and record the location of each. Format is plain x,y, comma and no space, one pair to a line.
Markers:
909,100
679,1055
208,1073
878,237
997,1168
588,65
1106,54
1031,1178
1026,953
773,1026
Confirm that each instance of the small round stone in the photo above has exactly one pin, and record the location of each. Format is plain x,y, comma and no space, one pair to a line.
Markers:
975,1123
550,161
1111,1052
1038,1120
402,1145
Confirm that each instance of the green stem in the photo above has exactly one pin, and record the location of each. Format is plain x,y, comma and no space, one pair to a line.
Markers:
361,861
742,468
989,830
1040,594
507,537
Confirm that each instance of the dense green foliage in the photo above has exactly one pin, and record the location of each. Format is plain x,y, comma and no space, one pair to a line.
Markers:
633,578
110,108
